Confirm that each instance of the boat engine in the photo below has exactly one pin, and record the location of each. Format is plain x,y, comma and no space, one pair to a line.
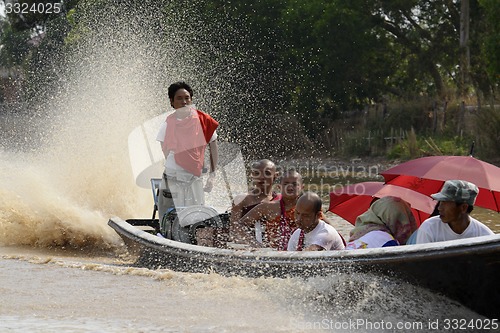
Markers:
182,224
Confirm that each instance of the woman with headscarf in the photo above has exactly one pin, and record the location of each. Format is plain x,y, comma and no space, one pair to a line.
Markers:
388,222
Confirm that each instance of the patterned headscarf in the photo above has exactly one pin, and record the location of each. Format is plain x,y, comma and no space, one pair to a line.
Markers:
390,214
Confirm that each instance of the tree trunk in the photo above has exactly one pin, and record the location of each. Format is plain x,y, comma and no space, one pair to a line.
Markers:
434,117
460,118
464,47
443,124
438,80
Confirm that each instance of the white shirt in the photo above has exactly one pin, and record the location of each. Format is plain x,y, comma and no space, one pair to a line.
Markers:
170,163
372,239
323,235
435,230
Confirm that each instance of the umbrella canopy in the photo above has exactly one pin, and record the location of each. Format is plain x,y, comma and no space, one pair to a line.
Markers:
427,175
353,200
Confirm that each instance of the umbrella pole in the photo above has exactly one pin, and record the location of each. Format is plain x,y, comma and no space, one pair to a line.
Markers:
471,153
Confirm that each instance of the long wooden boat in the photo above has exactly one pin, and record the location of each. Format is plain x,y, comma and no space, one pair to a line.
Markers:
465,270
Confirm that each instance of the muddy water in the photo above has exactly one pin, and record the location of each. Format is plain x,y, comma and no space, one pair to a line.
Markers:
75,295
68,291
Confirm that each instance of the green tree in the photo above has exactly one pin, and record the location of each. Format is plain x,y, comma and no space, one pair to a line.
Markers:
490,43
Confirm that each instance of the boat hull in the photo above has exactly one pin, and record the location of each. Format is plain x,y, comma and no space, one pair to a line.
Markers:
464,270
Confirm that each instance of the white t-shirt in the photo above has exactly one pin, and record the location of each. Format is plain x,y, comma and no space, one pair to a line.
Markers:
323,235
435,230
170,163
372,239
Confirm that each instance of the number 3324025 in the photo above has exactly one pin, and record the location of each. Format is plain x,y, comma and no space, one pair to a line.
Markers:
35,8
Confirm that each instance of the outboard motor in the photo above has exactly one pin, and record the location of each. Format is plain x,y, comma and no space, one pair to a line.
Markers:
182,223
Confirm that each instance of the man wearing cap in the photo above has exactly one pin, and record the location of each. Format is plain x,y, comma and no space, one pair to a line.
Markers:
456,201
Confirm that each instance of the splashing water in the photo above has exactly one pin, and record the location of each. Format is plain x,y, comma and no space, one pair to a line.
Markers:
38,206
64,161
69,172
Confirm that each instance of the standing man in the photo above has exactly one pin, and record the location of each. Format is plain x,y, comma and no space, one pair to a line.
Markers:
313,234
184,136
456,201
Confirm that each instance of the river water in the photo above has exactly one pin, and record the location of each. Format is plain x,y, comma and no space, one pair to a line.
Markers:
47,291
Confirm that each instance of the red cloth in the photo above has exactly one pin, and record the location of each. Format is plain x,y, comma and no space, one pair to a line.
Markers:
188,138
300,245
280,228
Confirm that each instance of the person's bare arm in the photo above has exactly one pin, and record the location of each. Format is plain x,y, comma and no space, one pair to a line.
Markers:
235,232
214,155
166,151
237,209
242,229
264,210
314,247
241,234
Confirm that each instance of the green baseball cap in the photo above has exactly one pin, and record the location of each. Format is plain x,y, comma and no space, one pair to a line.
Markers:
457,191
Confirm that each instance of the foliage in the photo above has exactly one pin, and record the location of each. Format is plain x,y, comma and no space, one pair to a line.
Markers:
488,132
329,41
490,48
321,65
14,47
412,147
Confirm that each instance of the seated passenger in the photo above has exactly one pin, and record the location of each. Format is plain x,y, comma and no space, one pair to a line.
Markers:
313,234
263,174
388,222
456,201
276,219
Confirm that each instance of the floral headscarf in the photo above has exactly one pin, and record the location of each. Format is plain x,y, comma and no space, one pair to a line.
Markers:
390,214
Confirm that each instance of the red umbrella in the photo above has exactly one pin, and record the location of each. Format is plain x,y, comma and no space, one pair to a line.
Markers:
428,174
353,200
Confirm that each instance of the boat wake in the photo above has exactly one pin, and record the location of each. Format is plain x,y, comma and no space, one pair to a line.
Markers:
348,302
